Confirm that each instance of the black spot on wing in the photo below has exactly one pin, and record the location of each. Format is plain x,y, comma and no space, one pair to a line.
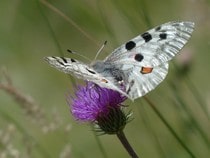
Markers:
92,72
146,36
130,86
60,62
163,36
158,28
130,45
72,60
64,60
139,57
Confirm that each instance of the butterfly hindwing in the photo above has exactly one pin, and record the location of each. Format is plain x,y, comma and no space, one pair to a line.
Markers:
141,80
133,80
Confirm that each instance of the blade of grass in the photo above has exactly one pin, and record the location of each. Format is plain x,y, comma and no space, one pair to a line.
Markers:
68,19
50,29
73,82
189,113
169,128
147,124
197,96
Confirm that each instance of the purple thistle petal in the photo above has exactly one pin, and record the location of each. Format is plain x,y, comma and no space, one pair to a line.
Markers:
91,101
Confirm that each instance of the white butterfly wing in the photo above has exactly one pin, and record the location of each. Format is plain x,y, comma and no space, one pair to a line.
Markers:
140,84
155,46
83,71
133,80
144,58
70,66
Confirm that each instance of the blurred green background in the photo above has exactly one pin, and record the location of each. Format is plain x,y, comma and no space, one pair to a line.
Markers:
35,120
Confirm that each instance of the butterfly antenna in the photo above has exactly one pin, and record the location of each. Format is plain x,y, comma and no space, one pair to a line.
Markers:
99,51
84,57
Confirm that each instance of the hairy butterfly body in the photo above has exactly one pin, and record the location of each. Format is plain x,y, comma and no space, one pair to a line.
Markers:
136,67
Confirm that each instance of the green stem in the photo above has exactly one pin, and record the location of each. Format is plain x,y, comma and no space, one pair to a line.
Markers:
121,136
197,96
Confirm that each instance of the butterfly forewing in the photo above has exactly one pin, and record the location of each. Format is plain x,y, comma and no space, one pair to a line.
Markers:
83,71
71,66
156,46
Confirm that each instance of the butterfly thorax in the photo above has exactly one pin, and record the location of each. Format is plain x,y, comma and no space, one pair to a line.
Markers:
98,65
109,71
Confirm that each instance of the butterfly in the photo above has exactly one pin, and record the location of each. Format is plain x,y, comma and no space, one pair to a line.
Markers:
136,67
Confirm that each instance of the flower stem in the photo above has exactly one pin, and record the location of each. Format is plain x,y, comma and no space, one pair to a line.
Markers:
121,136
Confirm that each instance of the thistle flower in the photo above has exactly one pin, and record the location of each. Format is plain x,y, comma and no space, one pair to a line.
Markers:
101,106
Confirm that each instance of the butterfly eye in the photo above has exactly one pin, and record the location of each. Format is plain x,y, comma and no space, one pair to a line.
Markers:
146,70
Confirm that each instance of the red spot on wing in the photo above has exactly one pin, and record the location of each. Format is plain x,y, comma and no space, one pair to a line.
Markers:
146,70
105,81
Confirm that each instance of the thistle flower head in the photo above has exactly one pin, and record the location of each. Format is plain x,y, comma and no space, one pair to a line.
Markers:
101,106
91,101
